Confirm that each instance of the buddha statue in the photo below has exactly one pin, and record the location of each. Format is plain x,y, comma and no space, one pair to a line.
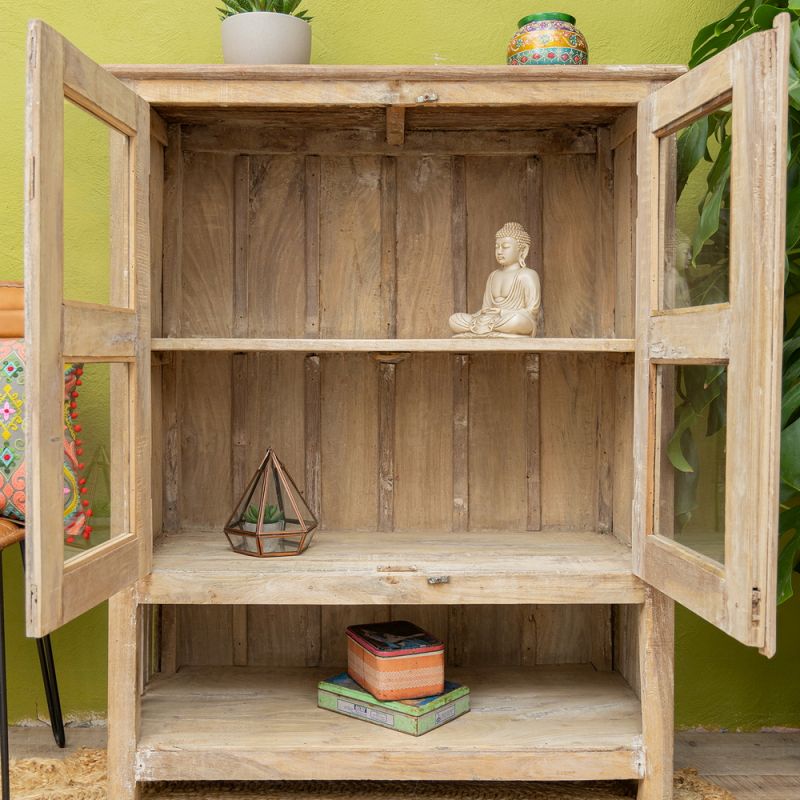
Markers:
512,298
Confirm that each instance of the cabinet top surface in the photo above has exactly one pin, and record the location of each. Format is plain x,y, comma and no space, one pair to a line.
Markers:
358,72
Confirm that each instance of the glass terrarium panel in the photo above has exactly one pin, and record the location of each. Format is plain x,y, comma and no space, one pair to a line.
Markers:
96,206
96,455
690,479
696,212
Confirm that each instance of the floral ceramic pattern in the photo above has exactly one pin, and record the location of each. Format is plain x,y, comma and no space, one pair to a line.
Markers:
548,42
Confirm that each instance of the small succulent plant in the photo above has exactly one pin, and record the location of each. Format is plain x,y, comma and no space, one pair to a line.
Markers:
271,514
231,7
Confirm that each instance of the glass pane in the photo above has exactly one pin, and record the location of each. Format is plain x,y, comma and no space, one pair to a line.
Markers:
696,209
690,479
95,464
94,265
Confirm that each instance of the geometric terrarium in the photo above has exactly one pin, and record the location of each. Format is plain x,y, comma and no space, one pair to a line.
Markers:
271,519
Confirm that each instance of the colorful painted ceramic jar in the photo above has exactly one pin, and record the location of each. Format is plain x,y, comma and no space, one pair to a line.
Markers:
549,38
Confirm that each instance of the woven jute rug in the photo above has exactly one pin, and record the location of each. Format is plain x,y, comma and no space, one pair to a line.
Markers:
82,776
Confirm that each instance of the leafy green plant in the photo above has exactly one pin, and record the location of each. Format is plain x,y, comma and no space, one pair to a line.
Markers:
231,7
709,140
271,515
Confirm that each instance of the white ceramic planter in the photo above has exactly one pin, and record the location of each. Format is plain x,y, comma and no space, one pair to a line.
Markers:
266,37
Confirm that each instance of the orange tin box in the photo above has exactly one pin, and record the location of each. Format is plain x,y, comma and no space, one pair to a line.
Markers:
395,660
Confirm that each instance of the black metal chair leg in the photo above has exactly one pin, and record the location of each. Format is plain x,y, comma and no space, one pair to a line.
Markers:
48,665
3,693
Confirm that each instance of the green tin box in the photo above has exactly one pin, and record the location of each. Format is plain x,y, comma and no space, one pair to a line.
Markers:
343,695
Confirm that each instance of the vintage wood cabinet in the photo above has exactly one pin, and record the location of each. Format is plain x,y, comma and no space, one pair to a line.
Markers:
287,246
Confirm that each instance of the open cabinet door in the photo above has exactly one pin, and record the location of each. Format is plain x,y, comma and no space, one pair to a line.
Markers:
708,337
107,340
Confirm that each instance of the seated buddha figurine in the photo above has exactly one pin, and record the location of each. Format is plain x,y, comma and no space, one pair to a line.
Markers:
512,298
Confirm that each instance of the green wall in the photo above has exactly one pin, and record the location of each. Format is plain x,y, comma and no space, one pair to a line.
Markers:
719,683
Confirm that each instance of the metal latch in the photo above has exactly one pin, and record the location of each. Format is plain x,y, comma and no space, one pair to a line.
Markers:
428,97
434,579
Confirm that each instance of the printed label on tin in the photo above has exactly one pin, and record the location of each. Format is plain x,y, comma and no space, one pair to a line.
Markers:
445,713
371,714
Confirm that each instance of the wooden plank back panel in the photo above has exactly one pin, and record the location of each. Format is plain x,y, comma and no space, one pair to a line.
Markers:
625,236
205,425
498,486
623,452
276,275
349,442
424,246
424,443
570,397
208,236
577,287
350,247
204,635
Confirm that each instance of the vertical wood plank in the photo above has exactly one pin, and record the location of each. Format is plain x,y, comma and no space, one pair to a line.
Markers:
625,236
283,636
498,485
534,194
313,432
124,642
312,215
605,381
459,233
605,239
205,422
173,232
423,488
350,247
240,440
205,635
389,246
349,499
171,374
277,286
569,403
425,257
208,244
241,236
386,444
601,633
622,491
626,645
239,632
656,669
533,452
576,281
168,635
460,521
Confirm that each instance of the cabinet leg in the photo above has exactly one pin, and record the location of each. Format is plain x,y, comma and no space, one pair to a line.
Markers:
124,634
656,670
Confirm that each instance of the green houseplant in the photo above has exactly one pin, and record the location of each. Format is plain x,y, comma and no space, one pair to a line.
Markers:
265,32
706,144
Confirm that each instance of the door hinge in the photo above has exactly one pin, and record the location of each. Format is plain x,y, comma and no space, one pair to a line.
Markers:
755,607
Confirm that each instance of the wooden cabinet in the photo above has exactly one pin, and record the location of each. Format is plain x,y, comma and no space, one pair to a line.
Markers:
287,246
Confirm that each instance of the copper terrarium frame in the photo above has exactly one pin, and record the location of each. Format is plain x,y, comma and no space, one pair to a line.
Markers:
267,529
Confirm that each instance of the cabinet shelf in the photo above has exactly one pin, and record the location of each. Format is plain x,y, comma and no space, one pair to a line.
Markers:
444,345
526,723
352,567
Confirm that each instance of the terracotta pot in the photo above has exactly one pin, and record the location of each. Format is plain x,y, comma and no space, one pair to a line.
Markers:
549,39
266,37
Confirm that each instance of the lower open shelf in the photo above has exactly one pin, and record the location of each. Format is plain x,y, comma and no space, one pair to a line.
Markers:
568,722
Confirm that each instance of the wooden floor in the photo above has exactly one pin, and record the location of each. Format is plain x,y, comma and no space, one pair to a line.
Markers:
752,766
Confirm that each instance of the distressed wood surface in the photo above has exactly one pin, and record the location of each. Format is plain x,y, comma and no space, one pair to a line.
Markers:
566,722
197,566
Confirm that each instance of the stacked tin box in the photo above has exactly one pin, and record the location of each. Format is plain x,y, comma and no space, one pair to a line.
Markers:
394,678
